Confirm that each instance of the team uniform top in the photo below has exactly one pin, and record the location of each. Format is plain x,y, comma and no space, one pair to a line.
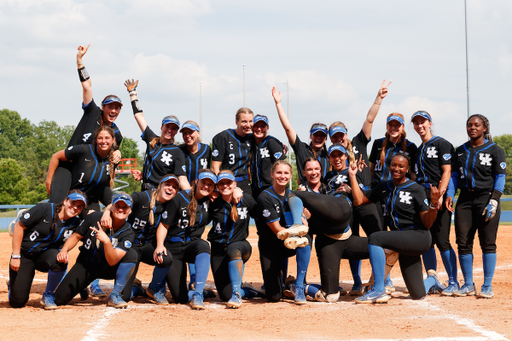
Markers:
194,162
264,155
302,152
89,122
233,151
360,147
92,250
91,173
274,207
224,230
480,168
334,179
139,218
403,203
381,172
38,235
162,160
432,155
178,218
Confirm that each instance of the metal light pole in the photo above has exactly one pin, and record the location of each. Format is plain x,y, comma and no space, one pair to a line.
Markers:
467,62
288,113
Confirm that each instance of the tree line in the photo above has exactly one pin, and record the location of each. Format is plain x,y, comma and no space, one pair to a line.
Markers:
26,150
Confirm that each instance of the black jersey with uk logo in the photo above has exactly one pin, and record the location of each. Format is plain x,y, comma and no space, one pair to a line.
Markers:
38,235
335,179
178,218
224,230
403,203
432,156
89,122
476,168
264,154
194,162
274,207
302,152
233,151
161,160
139,218
360,148
92,250
90,173
381,172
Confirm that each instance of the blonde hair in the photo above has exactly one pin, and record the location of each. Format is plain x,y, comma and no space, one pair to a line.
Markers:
241,111
234,213
386,139
194,123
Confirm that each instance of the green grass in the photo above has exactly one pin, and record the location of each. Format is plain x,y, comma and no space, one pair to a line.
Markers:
8,213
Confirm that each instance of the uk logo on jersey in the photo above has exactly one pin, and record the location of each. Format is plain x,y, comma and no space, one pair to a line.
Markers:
447,156
264,153
432,153
115,241
266,213
503,165
215,153
405,197
166,158
204,163
86,137
340,179
485,159
277,155
242,212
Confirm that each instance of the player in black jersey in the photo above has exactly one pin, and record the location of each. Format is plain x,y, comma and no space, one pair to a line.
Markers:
411,217
312,171
36,240
367,215
316,148
162,155
433,168
197,155
228,240
281,211
330,219
383,150
478,170
92,119
232,148
106,253
93,167
180,234
266,150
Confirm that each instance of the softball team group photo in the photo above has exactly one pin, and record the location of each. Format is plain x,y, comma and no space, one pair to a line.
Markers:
402,196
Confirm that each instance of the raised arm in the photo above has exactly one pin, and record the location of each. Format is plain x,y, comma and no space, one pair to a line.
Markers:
357,195
285,122
131,86
374,109
85,79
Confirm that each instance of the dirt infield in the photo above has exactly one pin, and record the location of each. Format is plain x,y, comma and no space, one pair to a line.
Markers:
434,318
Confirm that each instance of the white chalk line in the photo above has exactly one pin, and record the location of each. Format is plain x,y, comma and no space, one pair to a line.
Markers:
99,326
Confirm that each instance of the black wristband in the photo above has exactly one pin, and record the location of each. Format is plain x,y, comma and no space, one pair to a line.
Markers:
496,195
136,107
83,74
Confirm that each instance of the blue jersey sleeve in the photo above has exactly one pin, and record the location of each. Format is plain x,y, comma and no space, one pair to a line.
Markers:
499,182
452,185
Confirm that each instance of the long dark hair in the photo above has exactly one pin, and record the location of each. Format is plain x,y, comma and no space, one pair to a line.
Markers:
111,164
58,207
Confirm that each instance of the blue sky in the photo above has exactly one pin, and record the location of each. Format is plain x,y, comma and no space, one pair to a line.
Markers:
334,54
